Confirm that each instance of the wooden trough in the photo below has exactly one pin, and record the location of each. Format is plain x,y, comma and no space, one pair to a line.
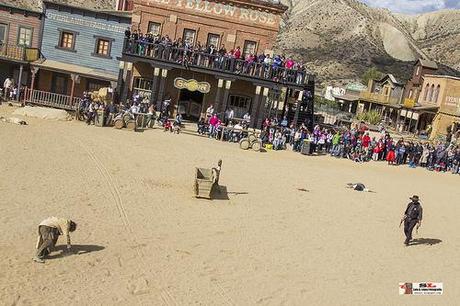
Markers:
207,181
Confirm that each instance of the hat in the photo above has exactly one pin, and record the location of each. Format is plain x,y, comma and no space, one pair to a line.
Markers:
415,198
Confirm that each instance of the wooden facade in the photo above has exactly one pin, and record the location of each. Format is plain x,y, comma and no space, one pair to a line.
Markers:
80,49
256,89
19,42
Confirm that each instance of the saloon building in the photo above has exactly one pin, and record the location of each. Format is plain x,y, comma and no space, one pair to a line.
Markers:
80,46
19,40
193,80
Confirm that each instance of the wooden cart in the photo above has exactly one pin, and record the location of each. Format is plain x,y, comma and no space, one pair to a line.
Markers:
207,181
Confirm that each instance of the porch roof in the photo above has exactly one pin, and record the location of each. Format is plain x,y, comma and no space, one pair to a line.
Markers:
75,69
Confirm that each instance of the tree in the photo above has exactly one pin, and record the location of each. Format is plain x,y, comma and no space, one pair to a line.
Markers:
371,74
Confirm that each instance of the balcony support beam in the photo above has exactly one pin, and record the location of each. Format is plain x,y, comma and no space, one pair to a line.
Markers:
161,91
18,94
154,88
255,106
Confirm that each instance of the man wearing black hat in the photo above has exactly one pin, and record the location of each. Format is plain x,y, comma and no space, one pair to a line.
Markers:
412,217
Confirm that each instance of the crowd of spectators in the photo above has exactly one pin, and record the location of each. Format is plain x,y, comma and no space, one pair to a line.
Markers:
277,67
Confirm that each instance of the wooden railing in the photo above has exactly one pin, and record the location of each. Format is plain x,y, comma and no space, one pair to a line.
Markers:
379,98
19,53
216,62
50,99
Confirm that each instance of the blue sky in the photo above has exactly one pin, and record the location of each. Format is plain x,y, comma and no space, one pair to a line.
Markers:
414,6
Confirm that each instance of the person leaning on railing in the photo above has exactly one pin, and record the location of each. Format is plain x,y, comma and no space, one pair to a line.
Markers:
277,67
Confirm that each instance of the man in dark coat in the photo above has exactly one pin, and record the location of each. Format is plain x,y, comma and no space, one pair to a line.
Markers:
412,217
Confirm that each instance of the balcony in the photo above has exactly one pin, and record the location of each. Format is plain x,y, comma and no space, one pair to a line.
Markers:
18,53
215,63
378,98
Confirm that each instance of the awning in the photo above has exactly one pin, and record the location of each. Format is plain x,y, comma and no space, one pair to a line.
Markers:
346,97
92,73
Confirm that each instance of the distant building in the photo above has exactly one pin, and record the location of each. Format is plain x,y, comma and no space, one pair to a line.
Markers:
442,93
348,102
19,40
80,47
385,96
193,80
413,86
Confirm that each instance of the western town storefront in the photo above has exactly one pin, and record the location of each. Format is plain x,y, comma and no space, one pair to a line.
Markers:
19,41
80,49
193,79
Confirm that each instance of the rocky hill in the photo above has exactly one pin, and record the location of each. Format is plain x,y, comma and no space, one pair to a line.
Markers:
341,39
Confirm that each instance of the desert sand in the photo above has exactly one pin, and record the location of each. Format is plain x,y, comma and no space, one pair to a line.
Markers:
143,239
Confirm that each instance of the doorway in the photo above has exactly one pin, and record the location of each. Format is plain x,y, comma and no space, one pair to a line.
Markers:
190,104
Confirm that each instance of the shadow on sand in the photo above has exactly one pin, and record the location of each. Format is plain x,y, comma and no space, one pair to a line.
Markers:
425,241
222,194
78,249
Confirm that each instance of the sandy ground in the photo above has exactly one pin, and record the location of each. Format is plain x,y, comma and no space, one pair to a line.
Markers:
144,240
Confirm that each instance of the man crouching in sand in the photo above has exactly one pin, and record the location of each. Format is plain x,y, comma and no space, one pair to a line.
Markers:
48,234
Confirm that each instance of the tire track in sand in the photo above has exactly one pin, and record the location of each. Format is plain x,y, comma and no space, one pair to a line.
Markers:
115,192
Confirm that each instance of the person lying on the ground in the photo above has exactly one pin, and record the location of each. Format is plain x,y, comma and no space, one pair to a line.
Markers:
49,231
358,187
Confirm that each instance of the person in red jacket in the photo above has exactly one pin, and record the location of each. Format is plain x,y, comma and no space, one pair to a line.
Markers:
365,142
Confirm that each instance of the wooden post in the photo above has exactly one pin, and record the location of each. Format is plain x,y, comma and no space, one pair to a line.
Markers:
34,72
255,106
217,104
161,92
228,85
261,112
21,67
154,88
75,77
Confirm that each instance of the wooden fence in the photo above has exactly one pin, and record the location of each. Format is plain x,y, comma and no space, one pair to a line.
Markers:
50,99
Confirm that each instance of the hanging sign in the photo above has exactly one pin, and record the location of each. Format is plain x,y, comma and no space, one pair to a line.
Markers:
192,85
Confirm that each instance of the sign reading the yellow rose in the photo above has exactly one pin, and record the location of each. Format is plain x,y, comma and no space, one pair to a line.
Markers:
192,85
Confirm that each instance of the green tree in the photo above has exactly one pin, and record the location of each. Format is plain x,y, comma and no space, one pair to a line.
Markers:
371,73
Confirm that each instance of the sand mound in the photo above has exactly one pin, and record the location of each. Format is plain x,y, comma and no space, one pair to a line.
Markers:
43,113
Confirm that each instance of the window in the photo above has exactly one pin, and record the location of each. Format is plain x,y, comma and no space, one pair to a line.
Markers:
24,36
425,96
3,33
240,105
103,46
59,84
189,36
431,93
249,48
67,40
436,93
154,28
213,40
417,72
410,94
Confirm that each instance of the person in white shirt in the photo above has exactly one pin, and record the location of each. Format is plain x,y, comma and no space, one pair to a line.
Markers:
209,112
49,231
247,118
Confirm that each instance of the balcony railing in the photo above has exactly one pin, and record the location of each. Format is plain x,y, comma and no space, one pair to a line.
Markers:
19,53
218,63
50,99
379,98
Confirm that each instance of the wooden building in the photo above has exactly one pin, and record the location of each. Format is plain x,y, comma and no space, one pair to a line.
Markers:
414,85
157,72
442,93
385,96
80,47
19,40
